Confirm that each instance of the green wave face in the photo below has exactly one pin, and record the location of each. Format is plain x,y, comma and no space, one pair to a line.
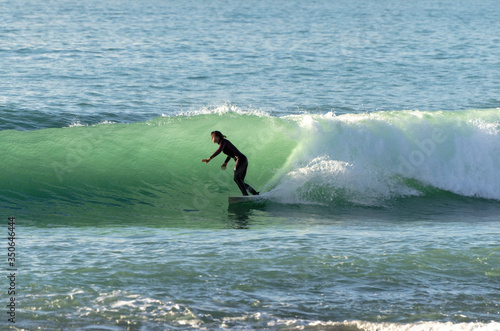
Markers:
154,168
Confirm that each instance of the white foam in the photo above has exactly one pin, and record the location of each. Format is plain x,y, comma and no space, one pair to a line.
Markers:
124,307
127,308
324,180
76,124
270,321
418,326
221,110
368,157
79,124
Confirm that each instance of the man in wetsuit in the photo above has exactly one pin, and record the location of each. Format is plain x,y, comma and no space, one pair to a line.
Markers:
240,168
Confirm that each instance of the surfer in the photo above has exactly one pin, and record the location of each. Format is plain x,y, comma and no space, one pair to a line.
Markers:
240,168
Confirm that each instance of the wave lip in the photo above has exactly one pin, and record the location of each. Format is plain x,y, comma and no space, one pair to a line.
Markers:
221,110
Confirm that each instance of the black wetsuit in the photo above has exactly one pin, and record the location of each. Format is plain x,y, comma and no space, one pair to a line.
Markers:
240,168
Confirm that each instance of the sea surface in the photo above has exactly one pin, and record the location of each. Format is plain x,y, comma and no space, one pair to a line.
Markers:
372,130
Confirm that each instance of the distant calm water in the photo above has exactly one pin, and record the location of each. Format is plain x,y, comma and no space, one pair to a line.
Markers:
371,128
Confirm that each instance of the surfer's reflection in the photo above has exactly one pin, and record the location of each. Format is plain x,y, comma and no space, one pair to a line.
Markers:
239,218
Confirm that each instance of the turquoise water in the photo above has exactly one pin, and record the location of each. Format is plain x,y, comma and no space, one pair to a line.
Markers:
371,128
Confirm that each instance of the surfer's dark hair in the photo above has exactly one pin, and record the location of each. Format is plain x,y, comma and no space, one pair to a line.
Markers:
218,134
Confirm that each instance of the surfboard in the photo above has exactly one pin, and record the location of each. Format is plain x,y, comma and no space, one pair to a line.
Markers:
242,198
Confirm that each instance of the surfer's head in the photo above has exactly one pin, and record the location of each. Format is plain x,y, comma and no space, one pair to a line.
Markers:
217,137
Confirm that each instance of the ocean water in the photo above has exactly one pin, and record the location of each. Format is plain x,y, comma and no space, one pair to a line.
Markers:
372,130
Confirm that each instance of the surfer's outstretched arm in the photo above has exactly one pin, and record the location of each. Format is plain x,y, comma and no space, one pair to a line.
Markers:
223,166
217,152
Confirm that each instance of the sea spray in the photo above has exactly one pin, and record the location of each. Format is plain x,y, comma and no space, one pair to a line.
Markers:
367,158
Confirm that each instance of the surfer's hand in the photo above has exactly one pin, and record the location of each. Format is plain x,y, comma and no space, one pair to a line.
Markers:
205,160
223,166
